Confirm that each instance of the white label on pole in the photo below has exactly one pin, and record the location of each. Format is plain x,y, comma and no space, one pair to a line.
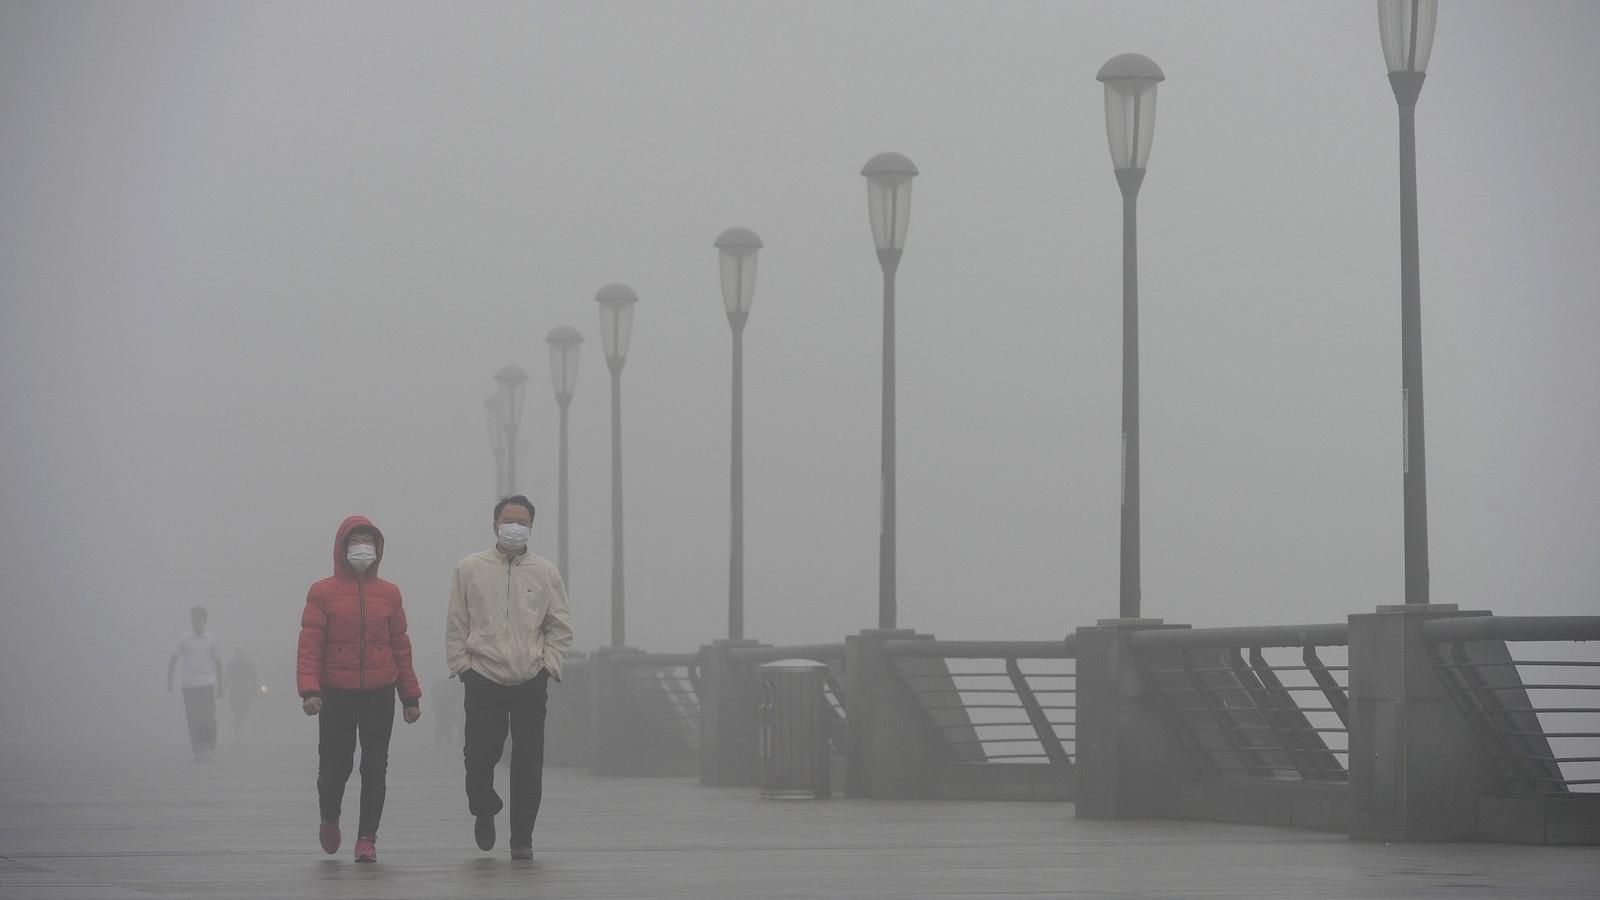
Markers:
1122,488
1405,433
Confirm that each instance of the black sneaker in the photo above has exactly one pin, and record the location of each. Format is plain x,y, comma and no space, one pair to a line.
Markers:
522,852
483,830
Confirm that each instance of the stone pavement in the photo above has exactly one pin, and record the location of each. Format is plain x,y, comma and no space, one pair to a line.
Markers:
243,826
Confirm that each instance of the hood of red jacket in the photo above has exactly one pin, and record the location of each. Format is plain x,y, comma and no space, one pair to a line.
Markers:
341,567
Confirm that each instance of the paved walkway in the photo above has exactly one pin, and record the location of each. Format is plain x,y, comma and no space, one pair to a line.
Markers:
243,827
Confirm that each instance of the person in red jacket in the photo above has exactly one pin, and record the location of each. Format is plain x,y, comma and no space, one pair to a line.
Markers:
354,657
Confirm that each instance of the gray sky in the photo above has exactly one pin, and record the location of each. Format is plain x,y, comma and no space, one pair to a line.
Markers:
258,263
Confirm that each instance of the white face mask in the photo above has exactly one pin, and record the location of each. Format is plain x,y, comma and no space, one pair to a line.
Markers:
361,556
513,536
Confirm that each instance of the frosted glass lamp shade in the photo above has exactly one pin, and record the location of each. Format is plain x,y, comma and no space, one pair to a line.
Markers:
1130,81
564,345
1406,27
889,198
739,248
616,320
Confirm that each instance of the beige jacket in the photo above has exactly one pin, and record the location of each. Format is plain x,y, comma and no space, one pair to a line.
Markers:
508,617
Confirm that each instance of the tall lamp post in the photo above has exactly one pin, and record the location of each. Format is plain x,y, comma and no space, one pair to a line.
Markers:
564,345
497,441
889,207
616,327
1130,81
512,380
738,248
1406,27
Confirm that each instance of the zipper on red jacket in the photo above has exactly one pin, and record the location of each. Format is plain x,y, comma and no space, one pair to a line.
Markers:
361,638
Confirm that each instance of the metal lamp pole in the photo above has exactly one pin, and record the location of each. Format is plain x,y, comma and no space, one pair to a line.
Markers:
512,380
616,327
1406,28
497,441
889,207
564,345
1130,81
738,248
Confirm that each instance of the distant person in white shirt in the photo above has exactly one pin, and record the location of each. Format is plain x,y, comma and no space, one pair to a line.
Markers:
201,679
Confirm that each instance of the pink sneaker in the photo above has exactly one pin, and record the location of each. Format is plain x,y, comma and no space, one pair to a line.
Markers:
365,852
328,834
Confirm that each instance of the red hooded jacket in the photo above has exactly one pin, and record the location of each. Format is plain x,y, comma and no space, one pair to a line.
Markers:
353,630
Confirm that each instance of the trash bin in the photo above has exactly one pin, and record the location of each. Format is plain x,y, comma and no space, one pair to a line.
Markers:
793,740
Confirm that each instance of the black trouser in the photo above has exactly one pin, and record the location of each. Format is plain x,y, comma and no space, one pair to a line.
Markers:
200,710
345,716
492,710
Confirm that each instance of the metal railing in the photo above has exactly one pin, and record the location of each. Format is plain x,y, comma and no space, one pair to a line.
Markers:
994,701
1245,705
662,691
1539,718
752,658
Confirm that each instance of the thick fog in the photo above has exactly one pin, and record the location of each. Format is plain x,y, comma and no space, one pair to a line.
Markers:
259,262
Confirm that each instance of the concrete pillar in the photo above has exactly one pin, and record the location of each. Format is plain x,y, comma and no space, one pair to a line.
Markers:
1416,770
614,730
727,716
1130,763
890,752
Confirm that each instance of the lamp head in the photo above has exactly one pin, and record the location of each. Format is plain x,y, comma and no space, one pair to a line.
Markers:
564,342
1130,80
739,248
616,320
889,198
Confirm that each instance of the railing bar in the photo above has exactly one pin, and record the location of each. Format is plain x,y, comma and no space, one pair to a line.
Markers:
964,690
986,673
1253,636
1286,667
977,690
1158,688
990,706
1234,729
1531,687
1027,740
1519,662
1460,629
1546,779
965,725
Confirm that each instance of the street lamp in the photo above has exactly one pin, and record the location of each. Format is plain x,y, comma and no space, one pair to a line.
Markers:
511,380
616,327
1406,27
739,248
1130,81
497,441
564,345
889,207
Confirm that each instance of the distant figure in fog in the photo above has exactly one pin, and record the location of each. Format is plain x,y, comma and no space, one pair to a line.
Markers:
447,714
201,680
243,684
354,656
507,633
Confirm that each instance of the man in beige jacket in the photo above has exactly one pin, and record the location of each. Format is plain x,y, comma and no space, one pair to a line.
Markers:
506,635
